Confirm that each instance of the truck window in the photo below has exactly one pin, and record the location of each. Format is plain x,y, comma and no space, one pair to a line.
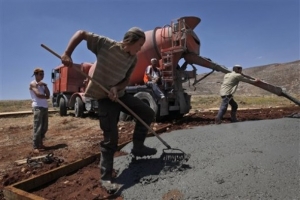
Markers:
55,75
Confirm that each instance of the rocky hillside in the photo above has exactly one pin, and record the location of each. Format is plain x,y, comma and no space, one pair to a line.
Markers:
284,75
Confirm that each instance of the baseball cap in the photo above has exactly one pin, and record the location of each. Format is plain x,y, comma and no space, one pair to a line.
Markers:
37,70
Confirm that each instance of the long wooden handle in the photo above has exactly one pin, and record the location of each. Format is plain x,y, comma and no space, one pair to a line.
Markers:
118,100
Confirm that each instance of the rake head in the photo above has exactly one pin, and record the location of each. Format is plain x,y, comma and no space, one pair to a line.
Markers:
174,156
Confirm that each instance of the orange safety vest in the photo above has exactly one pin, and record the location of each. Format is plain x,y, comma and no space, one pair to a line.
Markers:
145,74
146,79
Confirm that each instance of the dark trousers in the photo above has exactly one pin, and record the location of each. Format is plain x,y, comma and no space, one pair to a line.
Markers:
109,113
228,99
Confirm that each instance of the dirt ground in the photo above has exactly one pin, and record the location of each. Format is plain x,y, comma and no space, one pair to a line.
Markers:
71,139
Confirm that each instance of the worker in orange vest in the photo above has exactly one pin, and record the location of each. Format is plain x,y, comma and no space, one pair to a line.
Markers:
152,78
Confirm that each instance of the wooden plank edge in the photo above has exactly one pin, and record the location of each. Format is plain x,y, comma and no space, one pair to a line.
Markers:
21,188
11,193
21,113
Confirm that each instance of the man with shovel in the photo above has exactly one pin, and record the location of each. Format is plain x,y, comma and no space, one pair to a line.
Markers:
114,65
228,88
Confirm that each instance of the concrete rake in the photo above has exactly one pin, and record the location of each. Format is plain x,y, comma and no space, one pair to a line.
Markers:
169,154
173,155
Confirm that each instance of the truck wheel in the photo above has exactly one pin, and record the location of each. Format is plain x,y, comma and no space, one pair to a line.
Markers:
78,107
124,117
148,99
62,107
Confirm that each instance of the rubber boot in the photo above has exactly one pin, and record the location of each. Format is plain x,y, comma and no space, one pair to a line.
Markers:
139,149
106,165
233,117
110,187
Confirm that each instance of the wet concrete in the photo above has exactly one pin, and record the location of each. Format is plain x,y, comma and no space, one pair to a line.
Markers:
245,160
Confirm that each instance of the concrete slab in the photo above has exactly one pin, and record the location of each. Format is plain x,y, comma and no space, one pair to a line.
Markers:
246,160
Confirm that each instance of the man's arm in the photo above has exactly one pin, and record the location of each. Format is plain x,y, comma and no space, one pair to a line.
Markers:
47,92
155,80
73,43
149,77
113,92
33,87
249,77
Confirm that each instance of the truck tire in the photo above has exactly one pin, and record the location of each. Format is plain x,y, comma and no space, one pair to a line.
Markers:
78,107
124,117
148,99
62,107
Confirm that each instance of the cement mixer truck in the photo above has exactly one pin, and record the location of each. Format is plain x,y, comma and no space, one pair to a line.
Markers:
168,44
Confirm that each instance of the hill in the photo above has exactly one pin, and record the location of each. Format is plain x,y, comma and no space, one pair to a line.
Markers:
284,75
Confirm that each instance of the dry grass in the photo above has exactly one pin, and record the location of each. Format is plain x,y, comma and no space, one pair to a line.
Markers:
17,105
214,101
197,101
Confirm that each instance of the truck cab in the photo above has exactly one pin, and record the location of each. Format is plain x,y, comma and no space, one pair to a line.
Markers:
68,90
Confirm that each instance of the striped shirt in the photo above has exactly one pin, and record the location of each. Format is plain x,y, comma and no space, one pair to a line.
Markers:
112,67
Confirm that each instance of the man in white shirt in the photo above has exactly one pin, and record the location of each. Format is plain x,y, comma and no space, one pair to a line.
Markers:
39,94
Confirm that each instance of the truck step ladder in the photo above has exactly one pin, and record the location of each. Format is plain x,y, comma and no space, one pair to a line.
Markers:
177,43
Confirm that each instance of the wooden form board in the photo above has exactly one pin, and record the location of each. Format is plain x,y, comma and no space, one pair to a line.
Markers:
7,114
19,190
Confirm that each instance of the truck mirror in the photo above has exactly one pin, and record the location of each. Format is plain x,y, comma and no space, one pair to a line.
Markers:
52,77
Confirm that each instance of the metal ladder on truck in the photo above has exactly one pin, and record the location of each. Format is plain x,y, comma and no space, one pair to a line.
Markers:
176,44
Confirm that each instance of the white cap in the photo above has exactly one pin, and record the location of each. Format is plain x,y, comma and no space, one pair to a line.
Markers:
153,60
237,66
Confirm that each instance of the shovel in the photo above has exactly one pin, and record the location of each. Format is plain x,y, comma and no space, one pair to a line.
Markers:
169,154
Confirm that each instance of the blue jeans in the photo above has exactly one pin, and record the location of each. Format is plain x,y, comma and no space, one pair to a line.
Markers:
40,125
158,93
228,99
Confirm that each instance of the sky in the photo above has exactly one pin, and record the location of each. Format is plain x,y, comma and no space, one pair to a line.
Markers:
246,32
